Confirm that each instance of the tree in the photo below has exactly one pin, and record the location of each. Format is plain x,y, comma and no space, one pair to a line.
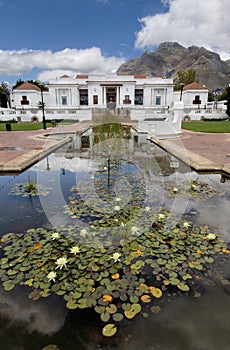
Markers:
228,101
18,83
35,82
185,77
4,95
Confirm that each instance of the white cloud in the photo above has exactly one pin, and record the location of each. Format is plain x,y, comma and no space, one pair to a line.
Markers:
104,2
66,61
202,23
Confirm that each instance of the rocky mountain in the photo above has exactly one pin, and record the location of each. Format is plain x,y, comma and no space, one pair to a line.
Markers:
170,57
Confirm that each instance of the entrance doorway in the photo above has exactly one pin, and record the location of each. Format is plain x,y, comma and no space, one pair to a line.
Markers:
111,94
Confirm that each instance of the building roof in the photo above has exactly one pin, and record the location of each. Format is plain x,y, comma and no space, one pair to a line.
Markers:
82,76
28,86
140,76
194,86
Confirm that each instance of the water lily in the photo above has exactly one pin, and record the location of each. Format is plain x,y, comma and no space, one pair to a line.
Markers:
186,224
75,250
134,230
175,190
117,207
118,199
51,276
116,257
83,232
61,262
193,187
147,209
55,235
161,216
211,236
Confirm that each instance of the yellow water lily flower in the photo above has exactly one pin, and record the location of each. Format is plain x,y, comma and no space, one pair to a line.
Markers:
161,216
211,236
75,250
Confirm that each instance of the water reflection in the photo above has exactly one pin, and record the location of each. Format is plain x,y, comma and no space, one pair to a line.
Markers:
196,321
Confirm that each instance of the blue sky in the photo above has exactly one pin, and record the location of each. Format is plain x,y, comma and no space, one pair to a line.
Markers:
43,39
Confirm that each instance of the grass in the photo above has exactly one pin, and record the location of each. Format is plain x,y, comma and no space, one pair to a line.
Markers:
24,126
31,126
207,126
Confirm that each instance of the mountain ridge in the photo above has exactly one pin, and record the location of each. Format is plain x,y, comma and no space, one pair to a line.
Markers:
170,57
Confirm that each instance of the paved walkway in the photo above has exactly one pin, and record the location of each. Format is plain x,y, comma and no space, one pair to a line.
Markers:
203,151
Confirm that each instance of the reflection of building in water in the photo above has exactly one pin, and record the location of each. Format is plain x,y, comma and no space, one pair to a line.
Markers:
133,147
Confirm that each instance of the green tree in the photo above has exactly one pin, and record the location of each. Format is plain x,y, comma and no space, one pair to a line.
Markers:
185,77
4,95
228,101
38,83
18,83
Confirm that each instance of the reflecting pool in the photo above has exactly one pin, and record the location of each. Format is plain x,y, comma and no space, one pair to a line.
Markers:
119,246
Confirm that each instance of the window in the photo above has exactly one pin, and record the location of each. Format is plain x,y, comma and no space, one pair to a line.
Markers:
24,101
138,96
95,99
127,99
158,100
197,100
83,96
64,100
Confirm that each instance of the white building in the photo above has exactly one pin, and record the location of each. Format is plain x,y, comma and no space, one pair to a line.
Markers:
196,105
152,102
80,98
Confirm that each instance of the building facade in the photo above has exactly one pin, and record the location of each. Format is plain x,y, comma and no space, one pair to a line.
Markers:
79,98
136,97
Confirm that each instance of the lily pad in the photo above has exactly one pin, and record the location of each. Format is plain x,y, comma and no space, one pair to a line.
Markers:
109,330
7,285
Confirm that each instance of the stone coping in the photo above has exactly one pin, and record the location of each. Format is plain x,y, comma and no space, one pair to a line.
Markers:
194,160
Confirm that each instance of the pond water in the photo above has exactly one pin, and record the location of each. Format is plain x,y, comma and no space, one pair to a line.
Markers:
100,194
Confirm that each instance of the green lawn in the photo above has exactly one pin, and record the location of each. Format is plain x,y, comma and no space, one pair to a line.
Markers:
24,126
207,126
32,126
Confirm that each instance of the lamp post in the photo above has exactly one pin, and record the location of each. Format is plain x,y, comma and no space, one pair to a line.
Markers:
181,90
43,109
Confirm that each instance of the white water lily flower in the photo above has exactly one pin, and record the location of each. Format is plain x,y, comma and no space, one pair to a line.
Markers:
161,216
134,230
116,257
147,209
83,232
51,276
118,199
117,208
186,224
175,189
74,250
55,235
211,236
61,262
